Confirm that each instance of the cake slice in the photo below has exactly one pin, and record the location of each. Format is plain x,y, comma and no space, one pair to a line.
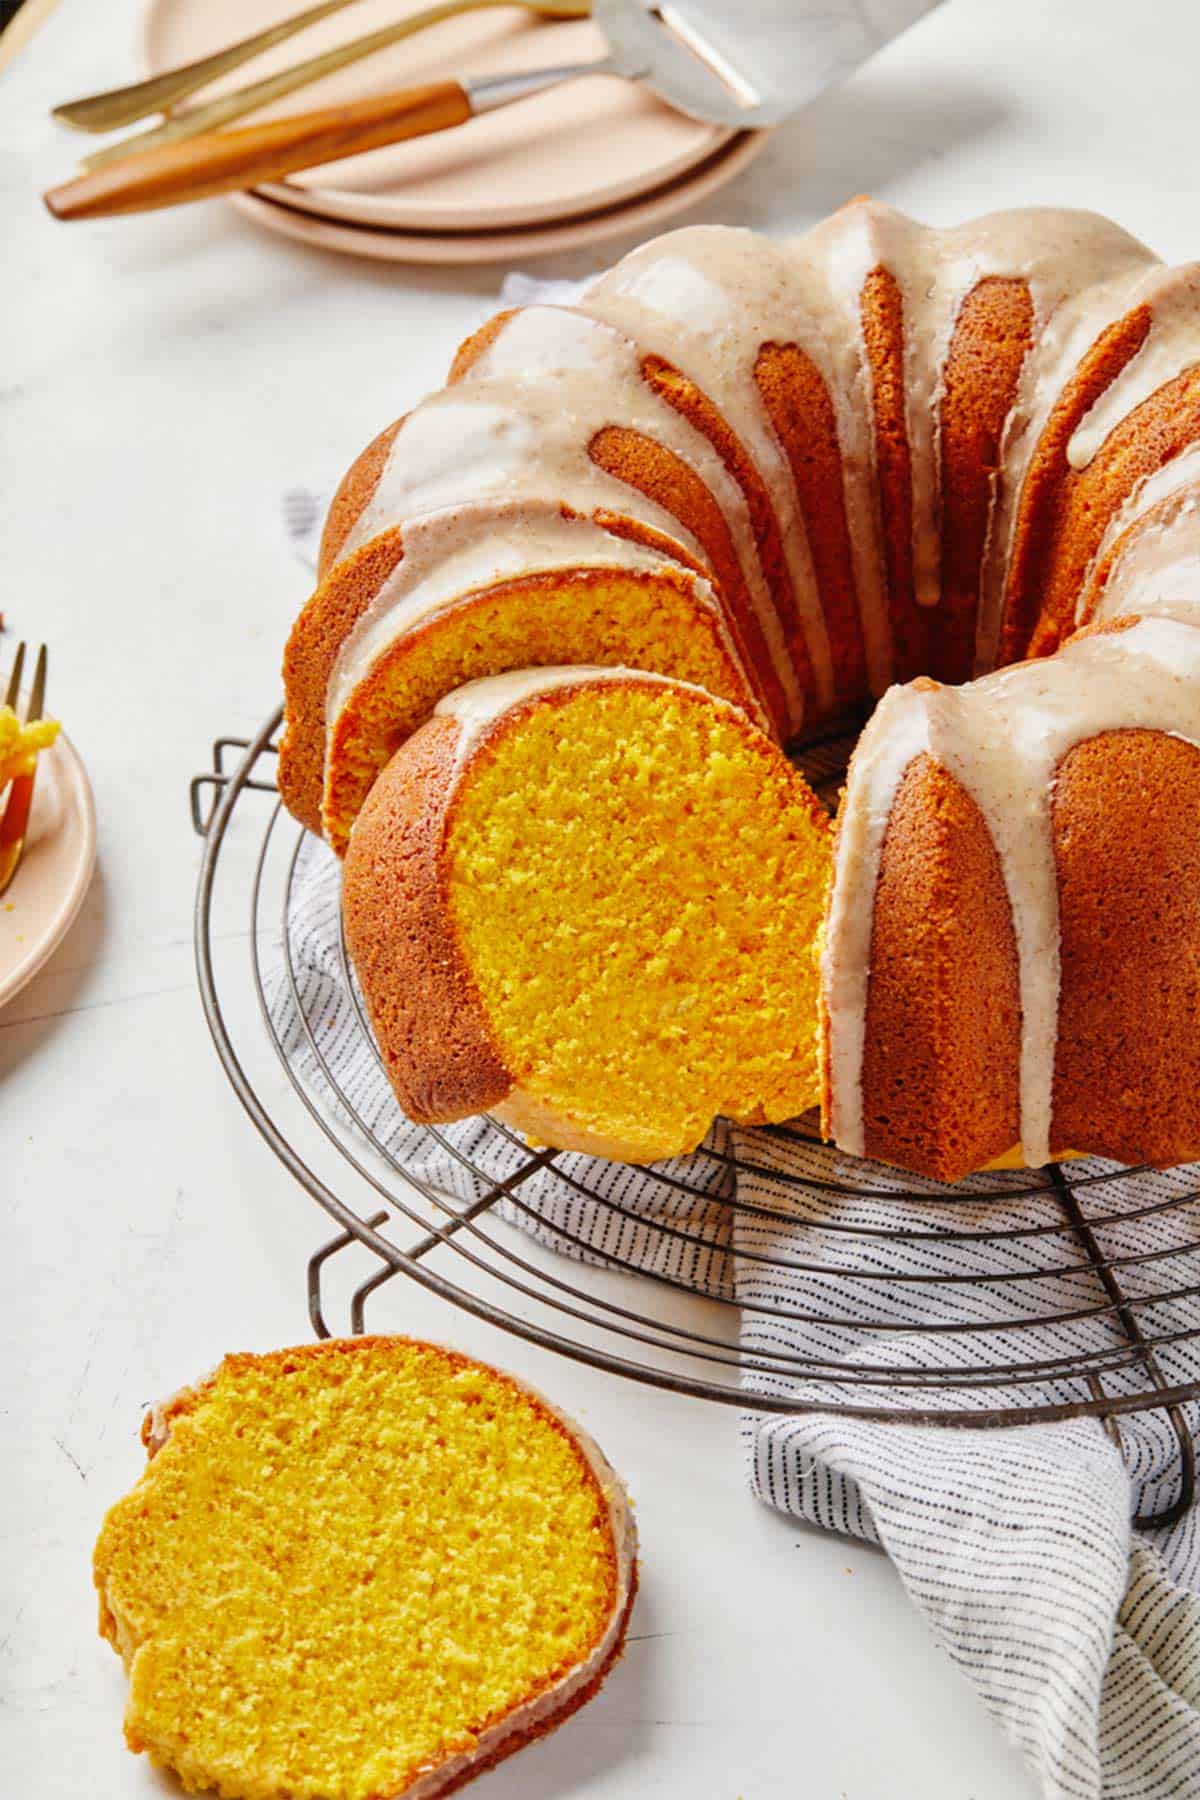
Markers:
586,901
410,616
361,1570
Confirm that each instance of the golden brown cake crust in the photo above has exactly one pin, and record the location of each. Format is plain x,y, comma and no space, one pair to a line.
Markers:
312,649
663,477
519,1740
1153,434
671,385
991,339
425,1009
1050,470
883,335
799,407
1126,813
940,1085
355,492
1147,523
473,347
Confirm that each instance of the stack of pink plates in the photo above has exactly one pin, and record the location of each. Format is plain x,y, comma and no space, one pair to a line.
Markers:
591,159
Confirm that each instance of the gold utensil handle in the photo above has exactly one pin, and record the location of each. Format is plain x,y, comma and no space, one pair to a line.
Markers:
222,162
121,106
210,114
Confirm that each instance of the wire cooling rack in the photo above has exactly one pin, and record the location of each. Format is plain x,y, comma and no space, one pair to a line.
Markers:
1130,1253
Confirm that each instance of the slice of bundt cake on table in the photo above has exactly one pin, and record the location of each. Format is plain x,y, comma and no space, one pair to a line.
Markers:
361,1570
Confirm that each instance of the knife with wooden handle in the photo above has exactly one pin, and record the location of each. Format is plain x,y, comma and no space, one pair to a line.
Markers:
222,162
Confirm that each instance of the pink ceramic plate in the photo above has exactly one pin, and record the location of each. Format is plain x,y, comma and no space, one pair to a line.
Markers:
48,889
590,144
514,246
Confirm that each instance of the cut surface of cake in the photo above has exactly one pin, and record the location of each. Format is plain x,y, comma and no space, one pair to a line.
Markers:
361,1569
586,901
878,457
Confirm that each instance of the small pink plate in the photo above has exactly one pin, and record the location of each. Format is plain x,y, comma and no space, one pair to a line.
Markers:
48,889
512,246
591,143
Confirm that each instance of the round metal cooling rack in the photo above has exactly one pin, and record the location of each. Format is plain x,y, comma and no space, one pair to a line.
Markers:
1064,1250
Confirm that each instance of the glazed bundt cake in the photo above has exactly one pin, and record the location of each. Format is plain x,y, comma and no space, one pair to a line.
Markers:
580,899
795,474
363,1568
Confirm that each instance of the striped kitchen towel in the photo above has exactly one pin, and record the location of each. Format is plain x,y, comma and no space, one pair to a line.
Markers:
1080,1632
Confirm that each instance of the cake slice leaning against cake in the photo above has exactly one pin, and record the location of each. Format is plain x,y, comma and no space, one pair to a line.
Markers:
587,901
482,588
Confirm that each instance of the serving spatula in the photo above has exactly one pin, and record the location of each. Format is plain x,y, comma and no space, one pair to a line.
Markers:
740,74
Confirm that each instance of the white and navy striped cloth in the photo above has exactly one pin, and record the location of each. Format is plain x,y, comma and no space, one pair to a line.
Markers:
1081,1634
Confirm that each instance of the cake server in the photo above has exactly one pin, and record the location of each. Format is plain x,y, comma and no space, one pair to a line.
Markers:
748,73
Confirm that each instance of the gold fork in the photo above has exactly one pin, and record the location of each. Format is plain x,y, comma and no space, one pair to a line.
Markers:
121,106
15,822
208,115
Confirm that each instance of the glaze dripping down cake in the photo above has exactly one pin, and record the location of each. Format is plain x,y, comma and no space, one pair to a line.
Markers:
879,463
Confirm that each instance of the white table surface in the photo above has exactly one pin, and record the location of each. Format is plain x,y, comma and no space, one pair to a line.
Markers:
161,380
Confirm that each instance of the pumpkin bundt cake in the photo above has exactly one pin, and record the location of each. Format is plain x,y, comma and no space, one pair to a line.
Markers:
585,900
363,1568
878,454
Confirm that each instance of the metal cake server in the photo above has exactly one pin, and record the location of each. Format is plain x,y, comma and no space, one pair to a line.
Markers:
741,73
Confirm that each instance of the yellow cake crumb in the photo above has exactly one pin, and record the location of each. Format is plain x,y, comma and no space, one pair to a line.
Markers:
636,877
344,1564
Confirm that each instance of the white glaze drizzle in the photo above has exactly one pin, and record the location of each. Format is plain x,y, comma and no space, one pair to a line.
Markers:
1172,344
897,732
1158,571
497,441
1154,544
1181,473
1060,344
705,299
1002,737
477,705
1051,251
585,375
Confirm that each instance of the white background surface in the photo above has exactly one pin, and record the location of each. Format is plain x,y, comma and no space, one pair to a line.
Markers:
161,379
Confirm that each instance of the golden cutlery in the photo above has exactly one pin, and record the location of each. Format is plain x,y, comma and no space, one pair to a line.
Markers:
646,43
121,106
223,111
